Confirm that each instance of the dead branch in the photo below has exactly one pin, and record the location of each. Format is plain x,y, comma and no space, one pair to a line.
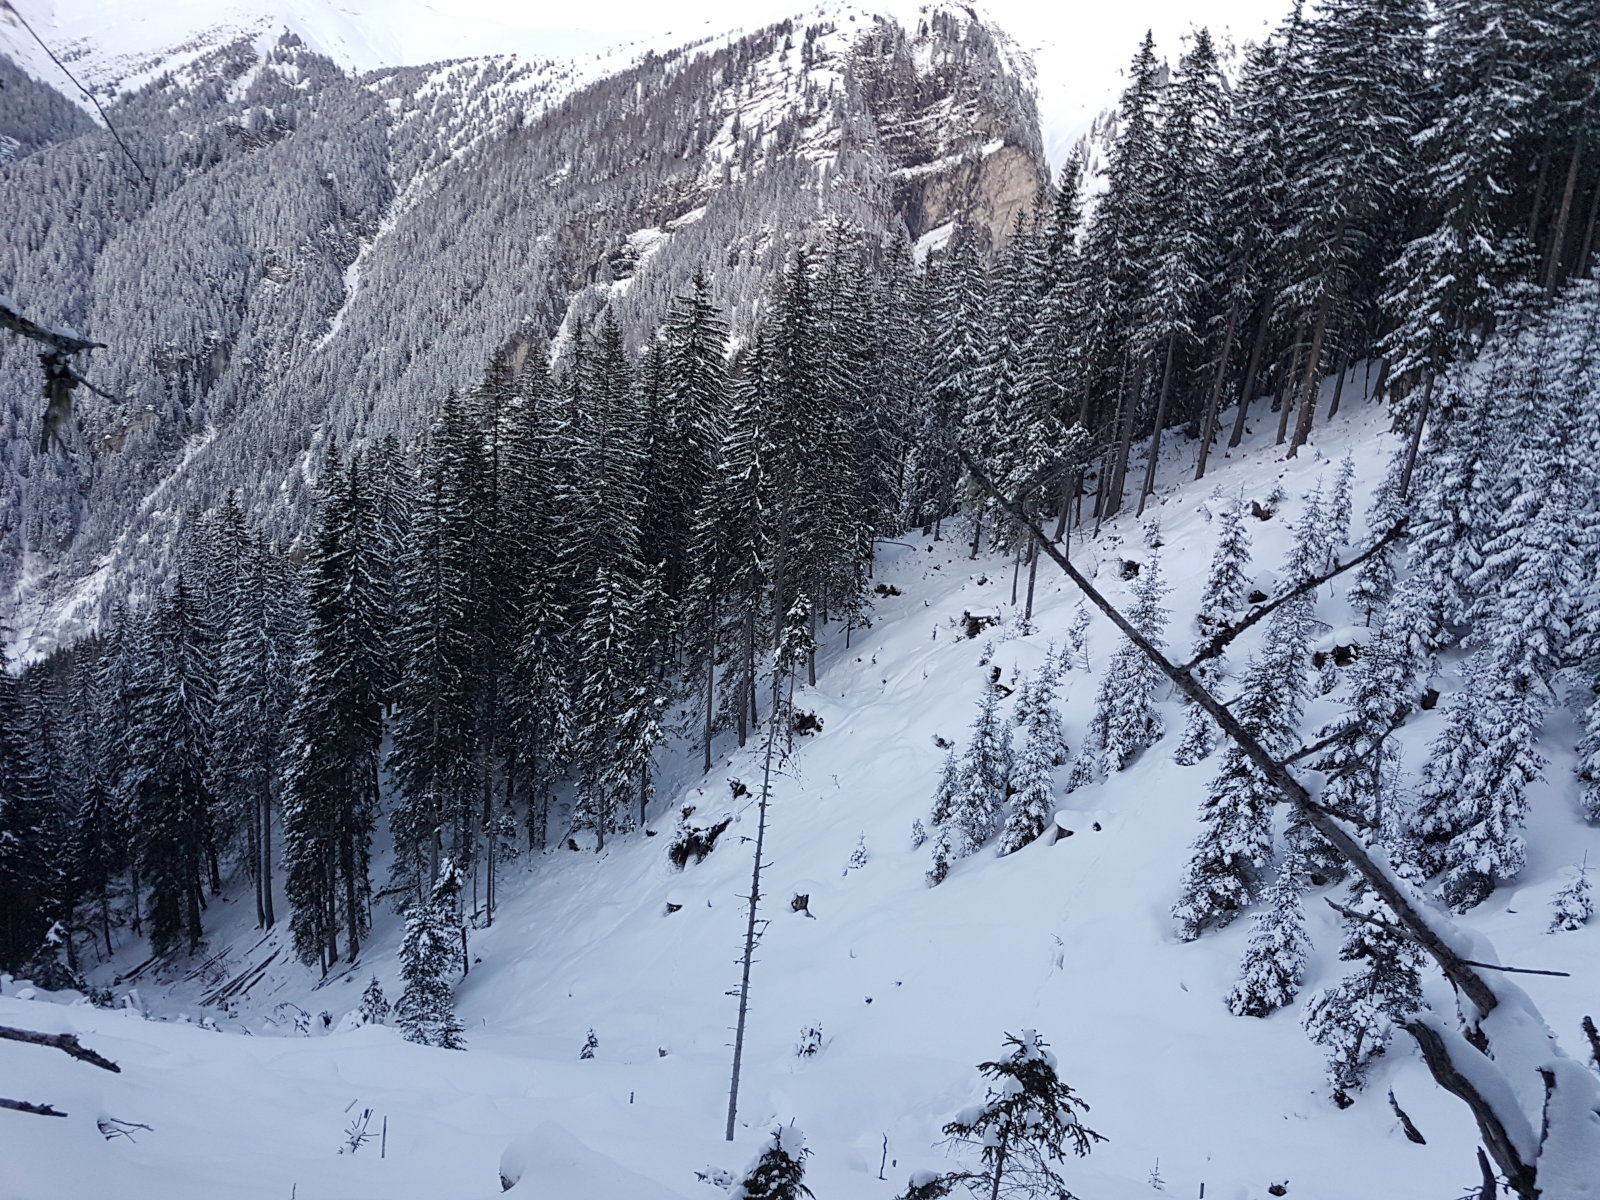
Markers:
1593,1034
56,339
1220,640
1413,1134
65,1042
1390,926
39,1110
1455,968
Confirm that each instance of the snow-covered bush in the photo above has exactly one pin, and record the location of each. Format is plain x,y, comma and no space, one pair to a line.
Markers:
777,1172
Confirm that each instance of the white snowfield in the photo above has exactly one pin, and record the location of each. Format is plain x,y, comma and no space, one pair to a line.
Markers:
912,986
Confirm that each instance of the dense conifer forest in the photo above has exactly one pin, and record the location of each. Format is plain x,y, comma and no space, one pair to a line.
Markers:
466,629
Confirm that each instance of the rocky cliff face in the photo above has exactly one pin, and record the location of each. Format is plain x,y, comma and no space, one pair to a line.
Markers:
324,256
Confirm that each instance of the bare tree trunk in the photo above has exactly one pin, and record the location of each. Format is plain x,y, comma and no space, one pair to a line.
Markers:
1338,384
1126,403
1416,440
266,857
1149,483
1033,575
1208,427
1539,186
1558,236
133,889
1247,392
1290,385
1313,384
755,899
999,1170
711,686
1382,384
1581,267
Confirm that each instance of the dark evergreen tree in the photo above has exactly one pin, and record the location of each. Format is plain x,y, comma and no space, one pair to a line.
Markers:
429,955
172,738
1027,1123
335,725
779,1170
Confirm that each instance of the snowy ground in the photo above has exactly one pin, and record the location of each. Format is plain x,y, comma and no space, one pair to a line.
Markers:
912,986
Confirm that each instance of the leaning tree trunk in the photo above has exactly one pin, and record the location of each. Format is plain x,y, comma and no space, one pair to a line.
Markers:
1246,393
1208,427
1572,1144
1149,483
1558,235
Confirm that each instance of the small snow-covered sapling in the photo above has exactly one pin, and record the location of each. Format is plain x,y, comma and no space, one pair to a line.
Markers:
858,856
1573,905
590,1045
810,1043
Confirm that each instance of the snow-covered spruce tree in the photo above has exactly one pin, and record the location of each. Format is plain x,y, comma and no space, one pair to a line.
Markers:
979,795
1530,594
1471,802
434,760
1573,905
778,1171
173,729
1274,962
429,955
1044,748
1224,595
1235,842
1027,1122
1483,130
1354,1020
1170,320
1589,763
335,728
1362,750
1353,122
1126,720
374,1006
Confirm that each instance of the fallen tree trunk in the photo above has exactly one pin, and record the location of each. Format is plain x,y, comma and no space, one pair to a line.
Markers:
1572,1143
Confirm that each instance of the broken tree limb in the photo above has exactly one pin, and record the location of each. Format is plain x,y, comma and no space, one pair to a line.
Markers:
56,339
1569,1142
1417,925
1220,640
38,1110
66,1042
1391,927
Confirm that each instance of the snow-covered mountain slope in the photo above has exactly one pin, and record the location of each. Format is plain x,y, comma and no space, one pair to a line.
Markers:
910,985
327,255
1078,50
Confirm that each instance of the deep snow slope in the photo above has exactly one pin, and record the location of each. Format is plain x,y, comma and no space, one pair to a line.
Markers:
912,986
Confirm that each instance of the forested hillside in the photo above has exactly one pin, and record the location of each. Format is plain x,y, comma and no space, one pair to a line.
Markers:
321,258
496,463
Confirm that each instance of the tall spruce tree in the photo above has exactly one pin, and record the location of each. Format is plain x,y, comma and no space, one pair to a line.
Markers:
330,784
